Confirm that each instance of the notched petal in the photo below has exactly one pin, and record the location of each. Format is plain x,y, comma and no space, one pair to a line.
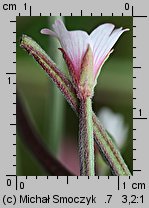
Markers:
46,31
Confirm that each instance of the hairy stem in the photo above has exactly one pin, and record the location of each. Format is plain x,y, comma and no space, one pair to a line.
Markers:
86,140
105,144
109,150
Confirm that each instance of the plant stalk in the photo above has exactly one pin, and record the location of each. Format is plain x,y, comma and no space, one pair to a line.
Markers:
86,140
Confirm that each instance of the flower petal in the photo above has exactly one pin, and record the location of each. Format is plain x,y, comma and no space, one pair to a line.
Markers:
99,38
74,43
103,39
111,41
46,31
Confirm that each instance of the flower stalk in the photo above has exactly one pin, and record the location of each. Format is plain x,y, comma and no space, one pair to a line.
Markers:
106,146
86,140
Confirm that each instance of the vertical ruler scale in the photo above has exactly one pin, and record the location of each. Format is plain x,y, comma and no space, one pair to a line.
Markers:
75,191
139,96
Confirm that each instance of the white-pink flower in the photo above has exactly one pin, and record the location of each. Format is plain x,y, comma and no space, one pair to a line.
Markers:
75,44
